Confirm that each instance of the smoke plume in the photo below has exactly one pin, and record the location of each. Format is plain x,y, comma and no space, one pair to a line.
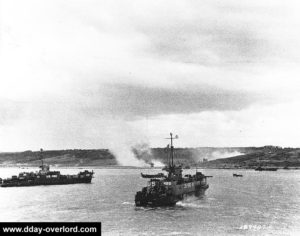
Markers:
219,155
125,156
157,163
121,138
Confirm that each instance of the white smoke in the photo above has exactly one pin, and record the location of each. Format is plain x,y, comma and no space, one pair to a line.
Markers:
120,138
143,149
125,157
157,163
220,155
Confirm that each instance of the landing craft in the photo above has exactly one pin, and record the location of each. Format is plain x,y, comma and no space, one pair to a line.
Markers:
46,177
166,190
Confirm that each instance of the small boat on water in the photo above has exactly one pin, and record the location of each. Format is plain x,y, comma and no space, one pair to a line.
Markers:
237,175
266,168
159,175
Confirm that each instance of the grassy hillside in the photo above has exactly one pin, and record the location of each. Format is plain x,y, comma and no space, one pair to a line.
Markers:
74,157
103,157
268,156
239,157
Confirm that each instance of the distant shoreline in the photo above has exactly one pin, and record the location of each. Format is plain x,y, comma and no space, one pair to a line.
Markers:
206,158
133,167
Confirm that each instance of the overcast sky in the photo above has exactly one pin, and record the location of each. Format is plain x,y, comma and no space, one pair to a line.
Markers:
82,74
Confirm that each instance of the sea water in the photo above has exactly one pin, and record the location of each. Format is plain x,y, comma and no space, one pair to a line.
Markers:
259,203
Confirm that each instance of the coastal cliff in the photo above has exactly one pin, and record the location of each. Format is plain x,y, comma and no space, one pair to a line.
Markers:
206,157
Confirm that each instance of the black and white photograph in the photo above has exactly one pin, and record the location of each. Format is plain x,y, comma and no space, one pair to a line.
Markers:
165,117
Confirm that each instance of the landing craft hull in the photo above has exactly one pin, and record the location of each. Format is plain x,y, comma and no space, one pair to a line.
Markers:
155,201
168,201
147,200
46,182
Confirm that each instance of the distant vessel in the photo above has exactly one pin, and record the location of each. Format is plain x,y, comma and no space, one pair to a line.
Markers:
166,190
159,175
46,177
266,168
237,175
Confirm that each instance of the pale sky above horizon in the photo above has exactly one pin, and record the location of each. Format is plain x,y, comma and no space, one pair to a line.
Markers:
92,74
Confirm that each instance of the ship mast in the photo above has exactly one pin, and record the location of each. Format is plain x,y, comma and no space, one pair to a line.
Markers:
172,150
41,157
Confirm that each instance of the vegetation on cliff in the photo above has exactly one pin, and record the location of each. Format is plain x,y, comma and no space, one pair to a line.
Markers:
207,157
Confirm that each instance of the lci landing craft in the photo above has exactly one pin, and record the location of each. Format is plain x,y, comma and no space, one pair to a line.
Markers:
166,190
46,177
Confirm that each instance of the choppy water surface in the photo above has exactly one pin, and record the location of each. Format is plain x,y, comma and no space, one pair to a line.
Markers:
260,203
